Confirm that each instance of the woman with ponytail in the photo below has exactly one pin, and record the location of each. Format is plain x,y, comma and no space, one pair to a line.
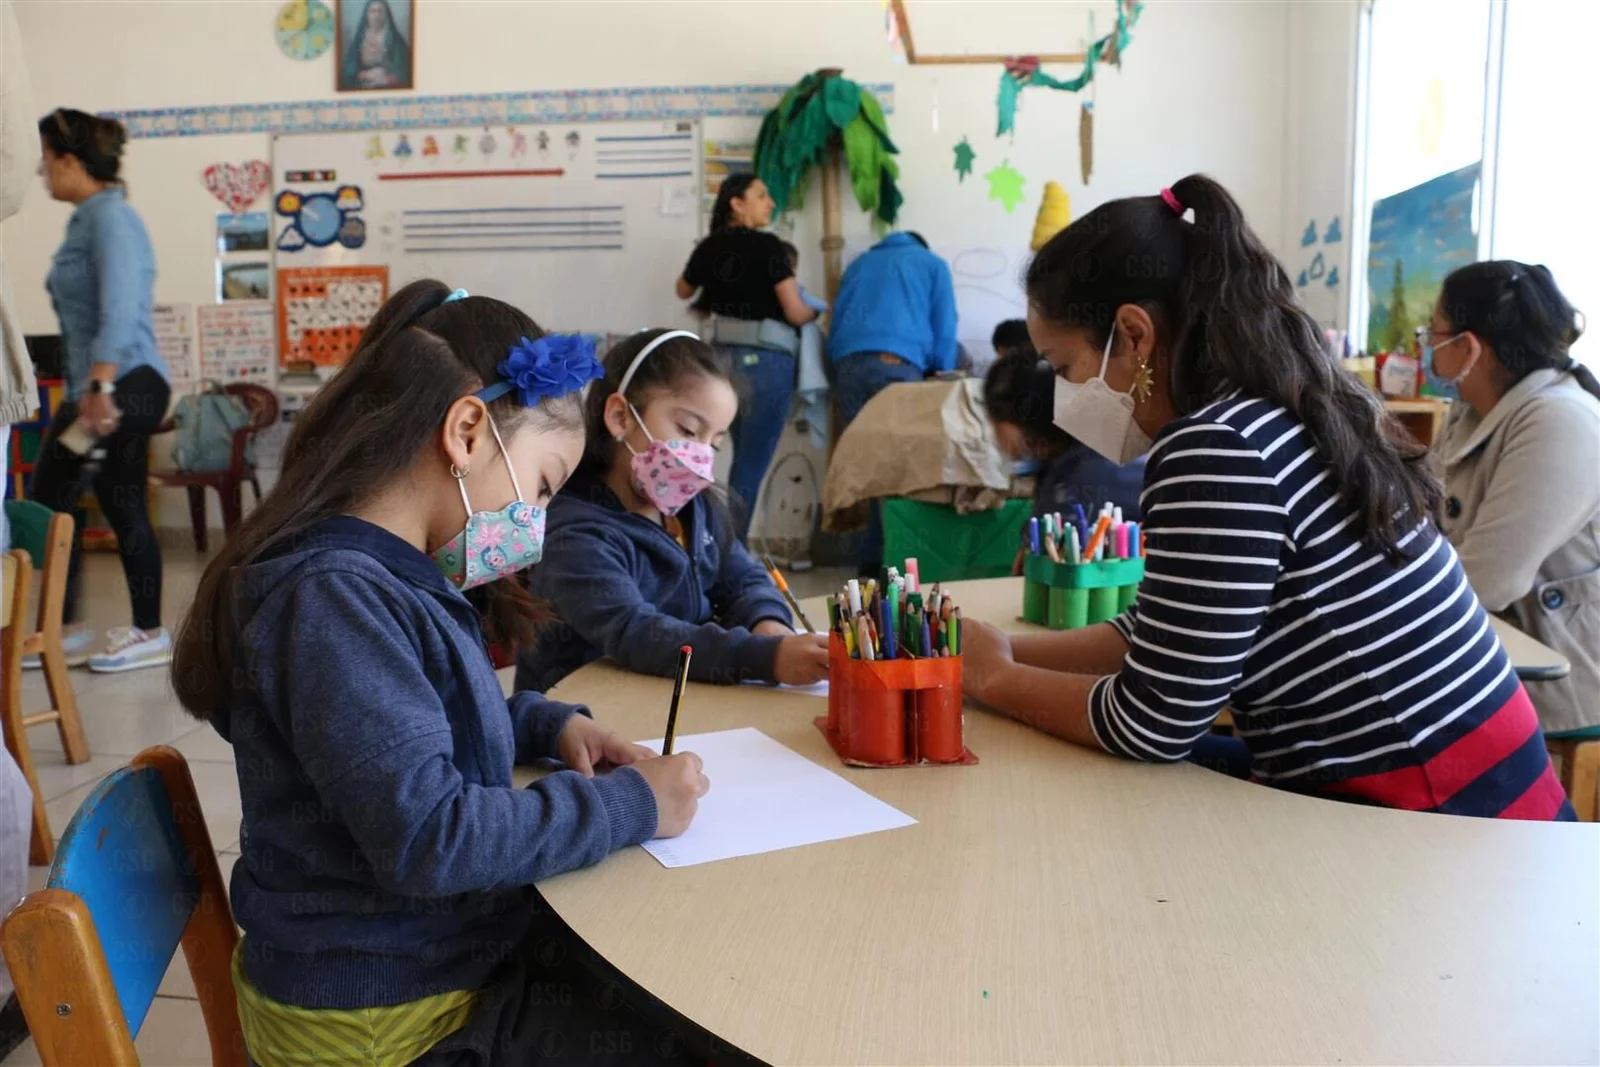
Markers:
745,281
1293,573
1521,458
385,887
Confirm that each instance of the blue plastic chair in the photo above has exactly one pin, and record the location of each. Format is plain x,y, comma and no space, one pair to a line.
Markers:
134,876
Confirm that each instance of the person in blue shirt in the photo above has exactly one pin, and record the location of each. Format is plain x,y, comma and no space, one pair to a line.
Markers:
642,557
101,283
894,321
385,887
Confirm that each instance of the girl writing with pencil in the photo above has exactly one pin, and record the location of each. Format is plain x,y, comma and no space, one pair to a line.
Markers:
640,558
337,640
1294,572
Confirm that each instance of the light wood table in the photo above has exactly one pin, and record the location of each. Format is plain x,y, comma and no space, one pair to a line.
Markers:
1053,905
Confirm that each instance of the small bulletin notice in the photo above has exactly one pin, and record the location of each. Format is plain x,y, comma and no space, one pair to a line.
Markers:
322,311
173,326
236,341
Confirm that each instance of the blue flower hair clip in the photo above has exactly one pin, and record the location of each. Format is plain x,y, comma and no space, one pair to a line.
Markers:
554,365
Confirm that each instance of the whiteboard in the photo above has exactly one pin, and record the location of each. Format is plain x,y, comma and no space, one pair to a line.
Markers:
585,226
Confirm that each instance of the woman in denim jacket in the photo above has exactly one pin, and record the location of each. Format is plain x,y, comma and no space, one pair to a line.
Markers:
101,284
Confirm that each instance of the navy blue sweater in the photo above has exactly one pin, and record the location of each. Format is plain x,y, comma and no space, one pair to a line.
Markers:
386,855
1083,476
623,587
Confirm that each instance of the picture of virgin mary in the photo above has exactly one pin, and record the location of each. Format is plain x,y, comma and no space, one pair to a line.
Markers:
375,44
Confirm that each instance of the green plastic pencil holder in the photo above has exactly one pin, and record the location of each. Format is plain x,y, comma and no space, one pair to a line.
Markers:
1064,596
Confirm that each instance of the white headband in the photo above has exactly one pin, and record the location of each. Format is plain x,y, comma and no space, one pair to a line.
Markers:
627,375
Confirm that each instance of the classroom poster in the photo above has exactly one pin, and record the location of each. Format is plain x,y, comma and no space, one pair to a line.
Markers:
1418,236
237,341
174,330
323,310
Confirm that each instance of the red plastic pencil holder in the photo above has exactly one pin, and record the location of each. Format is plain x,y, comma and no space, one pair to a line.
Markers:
893,713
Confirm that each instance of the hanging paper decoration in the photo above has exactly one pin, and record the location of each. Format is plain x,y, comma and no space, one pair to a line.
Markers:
1023,71
964,157
430,147
460,148
519,143
1086,140
1334,234
1005,185
891,30
375,147
238,185
487,144
402,148
1309,238
543,141
1333,278
795,135
1318,268
305,29
1302,281
1055,214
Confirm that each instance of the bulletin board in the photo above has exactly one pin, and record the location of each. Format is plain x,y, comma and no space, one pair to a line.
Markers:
583,225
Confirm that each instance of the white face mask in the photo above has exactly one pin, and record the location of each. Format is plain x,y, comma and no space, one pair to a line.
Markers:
1099,416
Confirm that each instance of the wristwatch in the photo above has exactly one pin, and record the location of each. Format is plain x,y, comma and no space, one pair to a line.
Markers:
98,386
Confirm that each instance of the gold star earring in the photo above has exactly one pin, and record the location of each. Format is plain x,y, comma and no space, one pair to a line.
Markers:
1143,381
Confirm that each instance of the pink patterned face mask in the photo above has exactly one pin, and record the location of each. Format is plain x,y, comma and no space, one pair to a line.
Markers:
669,474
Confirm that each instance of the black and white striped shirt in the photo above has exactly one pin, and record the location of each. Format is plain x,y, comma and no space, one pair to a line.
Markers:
1346,673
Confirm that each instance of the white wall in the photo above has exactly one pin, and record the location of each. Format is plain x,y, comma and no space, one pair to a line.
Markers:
1205,86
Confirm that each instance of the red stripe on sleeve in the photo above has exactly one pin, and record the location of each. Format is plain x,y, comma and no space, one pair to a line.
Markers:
1474,754
1406,788
1540,802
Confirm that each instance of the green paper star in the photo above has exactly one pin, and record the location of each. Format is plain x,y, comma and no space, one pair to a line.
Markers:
1005,185
964,157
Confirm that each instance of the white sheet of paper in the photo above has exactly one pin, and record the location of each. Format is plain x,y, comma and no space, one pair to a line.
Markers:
765,797
815,689
677,199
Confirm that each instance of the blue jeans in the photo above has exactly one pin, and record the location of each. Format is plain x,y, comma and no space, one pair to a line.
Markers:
858,379
769,391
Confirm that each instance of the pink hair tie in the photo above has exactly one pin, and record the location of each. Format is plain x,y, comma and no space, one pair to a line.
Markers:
1173,202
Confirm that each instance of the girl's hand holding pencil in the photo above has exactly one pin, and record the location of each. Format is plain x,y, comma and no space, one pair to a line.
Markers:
802,659
678,781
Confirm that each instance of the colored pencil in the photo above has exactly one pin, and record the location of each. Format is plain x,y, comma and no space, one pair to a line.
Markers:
677,698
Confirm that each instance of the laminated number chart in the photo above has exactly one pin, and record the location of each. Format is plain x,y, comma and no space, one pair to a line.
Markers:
322,311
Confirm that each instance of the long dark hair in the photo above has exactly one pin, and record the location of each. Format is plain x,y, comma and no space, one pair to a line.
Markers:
1517,310
363,430
93,141
732,188
1235,324
1020,388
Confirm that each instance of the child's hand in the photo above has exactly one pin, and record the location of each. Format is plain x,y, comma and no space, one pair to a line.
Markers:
584,743
985,655
802,659
678,781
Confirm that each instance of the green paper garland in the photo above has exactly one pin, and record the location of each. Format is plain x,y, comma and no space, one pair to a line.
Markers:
1011,85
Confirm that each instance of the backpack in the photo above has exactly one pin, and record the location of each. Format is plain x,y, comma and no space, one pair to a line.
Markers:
205,423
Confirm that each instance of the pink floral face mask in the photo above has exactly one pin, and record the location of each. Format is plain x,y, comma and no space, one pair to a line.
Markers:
669,474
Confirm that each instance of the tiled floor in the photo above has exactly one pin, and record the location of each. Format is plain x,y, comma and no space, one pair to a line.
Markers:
124,713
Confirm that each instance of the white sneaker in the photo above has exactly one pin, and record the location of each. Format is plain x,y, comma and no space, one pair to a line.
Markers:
76,643
129,649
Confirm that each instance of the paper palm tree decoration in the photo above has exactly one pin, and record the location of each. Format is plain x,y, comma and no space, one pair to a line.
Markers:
825,108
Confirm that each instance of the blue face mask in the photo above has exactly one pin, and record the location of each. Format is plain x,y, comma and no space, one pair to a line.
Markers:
1442,386
1022,468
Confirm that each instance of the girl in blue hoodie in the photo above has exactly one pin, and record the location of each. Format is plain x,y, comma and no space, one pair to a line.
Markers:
385,884
640,559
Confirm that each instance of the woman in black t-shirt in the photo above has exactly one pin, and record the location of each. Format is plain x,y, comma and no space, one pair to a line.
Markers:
742,272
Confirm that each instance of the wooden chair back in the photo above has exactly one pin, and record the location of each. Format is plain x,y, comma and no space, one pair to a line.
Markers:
134,878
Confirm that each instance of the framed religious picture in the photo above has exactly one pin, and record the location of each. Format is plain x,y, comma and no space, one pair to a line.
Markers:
377,40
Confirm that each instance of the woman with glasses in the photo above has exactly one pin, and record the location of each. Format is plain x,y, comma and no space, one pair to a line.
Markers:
1520,453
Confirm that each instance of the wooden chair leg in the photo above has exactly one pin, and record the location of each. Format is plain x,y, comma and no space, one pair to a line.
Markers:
1561,755
232,505
41,846
1585,787
197,515
52,605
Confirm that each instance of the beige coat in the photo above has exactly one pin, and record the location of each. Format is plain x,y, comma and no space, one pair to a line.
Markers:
1522,507
19,163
